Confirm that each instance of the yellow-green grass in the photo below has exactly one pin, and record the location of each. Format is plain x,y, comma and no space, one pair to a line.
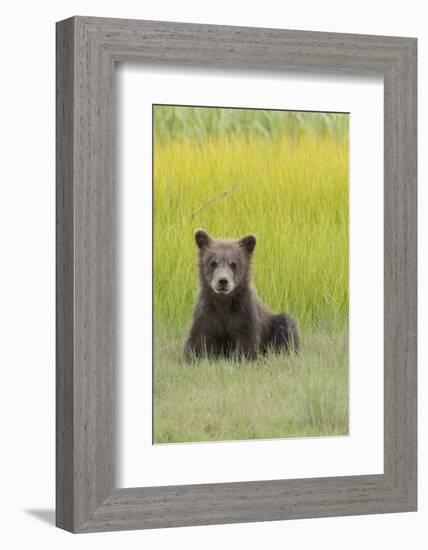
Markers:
291,190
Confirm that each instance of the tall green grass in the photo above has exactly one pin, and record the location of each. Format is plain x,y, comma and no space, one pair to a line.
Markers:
284,177
198,123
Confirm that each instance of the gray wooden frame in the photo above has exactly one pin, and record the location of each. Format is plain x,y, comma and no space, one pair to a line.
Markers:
87,50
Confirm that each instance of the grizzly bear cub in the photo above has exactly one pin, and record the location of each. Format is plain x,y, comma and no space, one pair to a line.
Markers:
229,319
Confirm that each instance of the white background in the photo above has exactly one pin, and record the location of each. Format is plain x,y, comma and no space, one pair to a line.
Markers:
27,274
362,451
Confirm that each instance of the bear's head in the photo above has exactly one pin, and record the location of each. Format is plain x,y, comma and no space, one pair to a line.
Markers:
224,265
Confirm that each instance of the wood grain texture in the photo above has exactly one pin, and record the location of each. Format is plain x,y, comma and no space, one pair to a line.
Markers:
87,50
64,276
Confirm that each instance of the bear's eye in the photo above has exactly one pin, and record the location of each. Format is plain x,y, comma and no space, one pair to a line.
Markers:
233,265
213,264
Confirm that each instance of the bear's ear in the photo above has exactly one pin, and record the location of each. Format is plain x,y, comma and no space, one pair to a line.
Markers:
248,243
202,238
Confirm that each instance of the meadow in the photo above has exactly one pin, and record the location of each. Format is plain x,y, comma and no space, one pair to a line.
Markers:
284,177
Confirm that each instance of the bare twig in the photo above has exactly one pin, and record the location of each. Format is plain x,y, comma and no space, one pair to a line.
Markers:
222,195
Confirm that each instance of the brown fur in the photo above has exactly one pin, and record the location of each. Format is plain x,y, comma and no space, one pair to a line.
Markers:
229,318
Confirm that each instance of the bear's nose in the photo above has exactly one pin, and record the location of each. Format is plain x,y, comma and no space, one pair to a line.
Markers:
223,282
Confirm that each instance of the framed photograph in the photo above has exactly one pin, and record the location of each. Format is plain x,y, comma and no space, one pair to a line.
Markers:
236,274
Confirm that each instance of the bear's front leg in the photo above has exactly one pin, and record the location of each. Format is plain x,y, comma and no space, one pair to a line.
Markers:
246,348
195,347
200,345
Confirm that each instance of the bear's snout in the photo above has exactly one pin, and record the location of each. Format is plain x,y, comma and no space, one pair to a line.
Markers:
222,282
